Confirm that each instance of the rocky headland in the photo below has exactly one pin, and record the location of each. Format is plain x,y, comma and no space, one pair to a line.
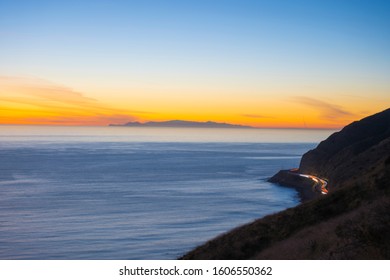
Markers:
352,221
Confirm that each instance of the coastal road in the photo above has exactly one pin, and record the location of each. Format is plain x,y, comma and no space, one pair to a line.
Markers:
320,185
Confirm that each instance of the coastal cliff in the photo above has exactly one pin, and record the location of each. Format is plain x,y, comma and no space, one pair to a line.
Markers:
353,153
351,222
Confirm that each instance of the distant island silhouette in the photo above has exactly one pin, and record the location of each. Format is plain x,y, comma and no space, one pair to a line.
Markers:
180,123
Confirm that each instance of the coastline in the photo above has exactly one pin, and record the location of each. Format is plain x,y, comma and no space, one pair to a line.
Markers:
304,186
351,222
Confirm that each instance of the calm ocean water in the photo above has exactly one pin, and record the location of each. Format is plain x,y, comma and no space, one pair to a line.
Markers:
137,193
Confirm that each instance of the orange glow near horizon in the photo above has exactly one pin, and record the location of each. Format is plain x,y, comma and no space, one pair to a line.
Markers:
36,102
255,63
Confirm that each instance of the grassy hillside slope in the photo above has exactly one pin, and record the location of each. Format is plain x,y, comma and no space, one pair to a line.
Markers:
351,222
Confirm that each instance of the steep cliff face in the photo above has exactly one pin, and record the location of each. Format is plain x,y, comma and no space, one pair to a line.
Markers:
351,222
357,148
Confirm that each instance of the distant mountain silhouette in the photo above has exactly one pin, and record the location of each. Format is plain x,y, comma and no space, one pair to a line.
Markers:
179,123
351,222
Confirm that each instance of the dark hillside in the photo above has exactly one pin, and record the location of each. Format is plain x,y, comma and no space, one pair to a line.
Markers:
351,222
345,153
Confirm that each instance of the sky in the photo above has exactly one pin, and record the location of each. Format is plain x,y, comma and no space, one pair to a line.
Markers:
264,63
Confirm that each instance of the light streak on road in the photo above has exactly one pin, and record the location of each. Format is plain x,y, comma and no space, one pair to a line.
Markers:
320,184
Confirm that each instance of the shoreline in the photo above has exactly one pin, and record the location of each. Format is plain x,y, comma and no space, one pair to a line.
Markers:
304,186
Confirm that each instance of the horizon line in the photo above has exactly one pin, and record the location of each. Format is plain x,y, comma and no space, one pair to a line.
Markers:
124,126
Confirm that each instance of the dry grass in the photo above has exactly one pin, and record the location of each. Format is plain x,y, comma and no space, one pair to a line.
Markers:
351,222
348,223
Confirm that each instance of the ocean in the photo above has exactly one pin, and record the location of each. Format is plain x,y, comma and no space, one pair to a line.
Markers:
137,193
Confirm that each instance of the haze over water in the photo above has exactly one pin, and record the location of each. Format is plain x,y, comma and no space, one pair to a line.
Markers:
20,133
137,193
